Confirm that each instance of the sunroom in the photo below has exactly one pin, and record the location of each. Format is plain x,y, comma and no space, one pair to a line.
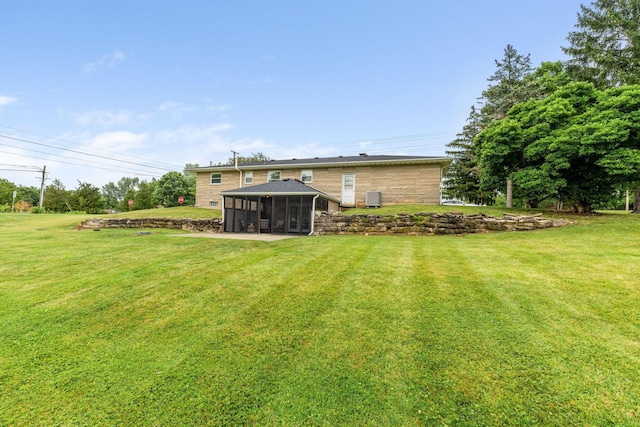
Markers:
283,207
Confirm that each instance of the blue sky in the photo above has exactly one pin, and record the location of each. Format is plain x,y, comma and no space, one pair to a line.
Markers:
98,90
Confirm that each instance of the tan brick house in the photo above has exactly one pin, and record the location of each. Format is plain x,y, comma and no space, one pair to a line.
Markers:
349,181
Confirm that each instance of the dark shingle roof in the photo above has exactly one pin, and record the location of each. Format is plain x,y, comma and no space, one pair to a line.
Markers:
288,187
330,161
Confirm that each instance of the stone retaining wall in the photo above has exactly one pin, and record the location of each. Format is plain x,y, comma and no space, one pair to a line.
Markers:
422,224
213,225
429,223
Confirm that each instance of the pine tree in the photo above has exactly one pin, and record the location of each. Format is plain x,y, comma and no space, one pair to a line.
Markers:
462,179
508,87
605,48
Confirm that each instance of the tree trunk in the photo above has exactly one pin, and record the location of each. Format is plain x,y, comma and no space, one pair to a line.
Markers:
636,202
509,193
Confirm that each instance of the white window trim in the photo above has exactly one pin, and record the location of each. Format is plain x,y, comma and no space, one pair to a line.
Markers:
307,172
272,172
248,177
211,178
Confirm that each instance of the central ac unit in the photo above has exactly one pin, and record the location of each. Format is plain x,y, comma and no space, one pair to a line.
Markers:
373,199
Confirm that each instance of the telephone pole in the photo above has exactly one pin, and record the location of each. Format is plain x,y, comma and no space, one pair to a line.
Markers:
44,172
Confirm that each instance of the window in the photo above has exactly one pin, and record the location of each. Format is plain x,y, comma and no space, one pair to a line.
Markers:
306,176
248,177
213,203
273,176
216,178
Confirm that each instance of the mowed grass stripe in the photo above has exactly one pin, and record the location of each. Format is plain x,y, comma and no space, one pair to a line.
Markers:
501,329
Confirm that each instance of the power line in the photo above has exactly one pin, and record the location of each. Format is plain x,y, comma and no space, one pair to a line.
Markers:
113,168
85,154
16,170
170,166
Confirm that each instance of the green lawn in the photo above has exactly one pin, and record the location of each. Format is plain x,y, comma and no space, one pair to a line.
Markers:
120,328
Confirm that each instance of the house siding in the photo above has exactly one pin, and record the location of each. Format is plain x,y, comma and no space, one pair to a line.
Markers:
418,183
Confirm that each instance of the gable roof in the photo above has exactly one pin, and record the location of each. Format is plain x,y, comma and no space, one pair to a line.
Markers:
340,161
286,187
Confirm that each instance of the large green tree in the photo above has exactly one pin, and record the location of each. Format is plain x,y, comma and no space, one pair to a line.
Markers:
114,193
6,191
172,186
605,47
57,198
145,196
507,87
579,144
87,198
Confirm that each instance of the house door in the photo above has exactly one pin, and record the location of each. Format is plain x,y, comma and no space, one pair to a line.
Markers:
294,219
349,189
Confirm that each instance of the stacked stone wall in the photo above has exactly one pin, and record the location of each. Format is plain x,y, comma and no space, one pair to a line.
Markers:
213,225
429,223
420,224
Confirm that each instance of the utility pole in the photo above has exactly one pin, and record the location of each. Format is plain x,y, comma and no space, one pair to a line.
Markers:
44,172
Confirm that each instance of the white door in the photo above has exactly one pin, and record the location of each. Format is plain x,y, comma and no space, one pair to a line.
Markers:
348,190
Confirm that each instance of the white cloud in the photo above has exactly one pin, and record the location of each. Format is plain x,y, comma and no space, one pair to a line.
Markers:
187,135
111,60
110,118
176,109
304,151
169,105
6,100
118,141
219,108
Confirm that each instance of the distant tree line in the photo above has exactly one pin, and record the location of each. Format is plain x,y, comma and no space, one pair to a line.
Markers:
563,133
88,198
163,192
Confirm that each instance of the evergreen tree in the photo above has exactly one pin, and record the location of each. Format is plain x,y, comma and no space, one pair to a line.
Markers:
57,198
605,48
87,198
462,179
508,87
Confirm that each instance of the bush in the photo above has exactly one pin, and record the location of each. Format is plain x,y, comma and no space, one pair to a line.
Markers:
38,210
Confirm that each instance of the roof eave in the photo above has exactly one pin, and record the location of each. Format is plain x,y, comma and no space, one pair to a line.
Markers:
349,163
278,193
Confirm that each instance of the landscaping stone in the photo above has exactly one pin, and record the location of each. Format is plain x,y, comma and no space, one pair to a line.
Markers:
421,224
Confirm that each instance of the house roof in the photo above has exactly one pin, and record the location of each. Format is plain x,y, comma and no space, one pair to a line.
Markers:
340,161
286,187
